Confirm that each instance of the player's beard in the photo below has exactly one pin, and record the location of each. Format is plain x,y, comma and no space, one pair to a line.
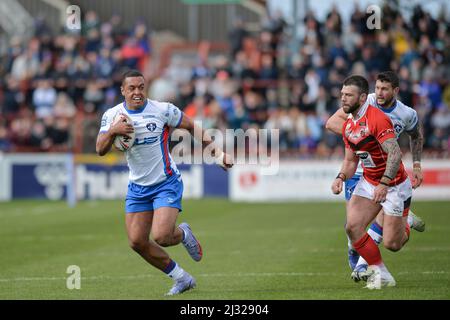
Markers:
387,103
350,109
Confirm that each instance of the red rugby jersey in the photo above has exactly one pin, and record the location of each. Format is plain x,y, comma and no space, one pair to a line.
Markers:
365,136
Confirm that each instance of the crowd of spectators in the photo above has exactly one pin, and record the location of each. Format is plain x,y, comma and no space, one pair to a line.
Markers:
267,80
271,81
49,80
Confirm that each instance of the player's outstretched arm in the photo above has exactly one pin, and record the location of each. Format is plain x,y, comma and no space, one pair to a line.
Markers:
223,159
416,145
106,139
336,121
348,169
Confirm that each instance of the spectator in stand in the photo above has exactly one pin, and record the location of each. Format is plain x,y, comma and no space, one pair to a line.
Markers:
239,118
12,52
44,98
92,40
384,53
64,106
12,97
20,131
255,108
236,36
39,138
26,65
143,39
431,88
93,96
90,22
185,95
132,53
268,71
406,88
60,133
440,121
104,65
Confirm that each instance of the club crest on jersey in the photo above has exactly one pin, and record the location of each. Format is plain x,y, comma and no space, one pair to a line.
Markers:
363,132
151,126
398,128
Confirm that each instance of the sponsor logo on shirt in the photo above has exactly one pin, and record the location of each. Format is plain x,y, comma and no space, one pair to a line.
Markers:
151,126
147,140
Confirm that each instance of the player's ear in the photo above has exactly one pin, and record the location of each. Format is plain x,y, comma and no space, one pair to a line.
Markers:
396,90
122,91
363,97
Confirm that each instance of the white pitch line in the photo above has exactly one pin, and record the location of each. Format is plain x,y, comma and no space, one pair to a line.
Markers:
252,274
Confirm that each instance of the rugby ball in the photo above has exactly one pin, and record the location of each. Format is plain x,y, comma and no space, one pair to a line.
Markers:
123,143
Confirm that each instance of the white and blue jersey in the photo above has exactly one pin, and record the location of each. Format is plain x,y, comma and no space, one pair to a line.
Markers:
403,118
152,169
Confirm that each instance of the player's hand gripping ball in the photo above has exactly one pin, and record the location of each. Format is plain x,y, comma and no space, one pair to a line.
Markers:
123,142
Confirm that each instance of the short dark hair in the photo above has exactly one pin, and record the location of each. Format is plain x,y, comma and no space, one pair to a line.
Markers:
389,76
358,81
131,74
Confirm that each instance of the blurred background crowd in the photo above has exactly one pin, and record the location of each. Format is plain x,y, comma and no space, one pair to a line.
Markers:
52,83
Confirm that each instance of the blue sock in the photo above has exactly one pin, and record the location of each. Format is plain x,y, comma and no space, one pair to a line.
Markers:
174,271
376,232
168,269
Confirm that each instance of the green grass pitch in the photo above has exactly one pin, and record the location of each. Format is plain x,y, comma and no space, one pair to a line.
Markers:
278,251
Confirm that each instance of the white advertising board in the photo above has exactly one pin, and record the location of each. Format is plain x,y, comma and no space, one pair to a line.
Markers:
311,180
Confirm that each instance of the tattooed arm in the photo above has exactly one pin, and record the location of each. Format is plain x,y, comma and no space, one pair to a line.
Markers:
416,142
416,145
394,158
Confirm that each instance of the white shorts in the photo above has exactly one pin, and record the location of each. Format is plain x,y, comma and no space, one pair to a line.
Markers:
398,198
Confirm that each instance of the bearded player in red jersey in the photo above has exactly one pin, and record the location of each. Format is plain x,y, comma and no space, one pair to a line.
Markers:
369,136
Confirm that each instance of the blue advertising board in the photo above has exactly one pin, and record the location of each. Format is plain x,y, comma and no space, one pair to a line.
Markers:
48,180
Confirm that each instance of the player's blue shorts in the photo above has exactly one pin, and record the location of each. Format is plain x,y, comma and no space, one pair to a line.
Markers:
167,193
350,185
